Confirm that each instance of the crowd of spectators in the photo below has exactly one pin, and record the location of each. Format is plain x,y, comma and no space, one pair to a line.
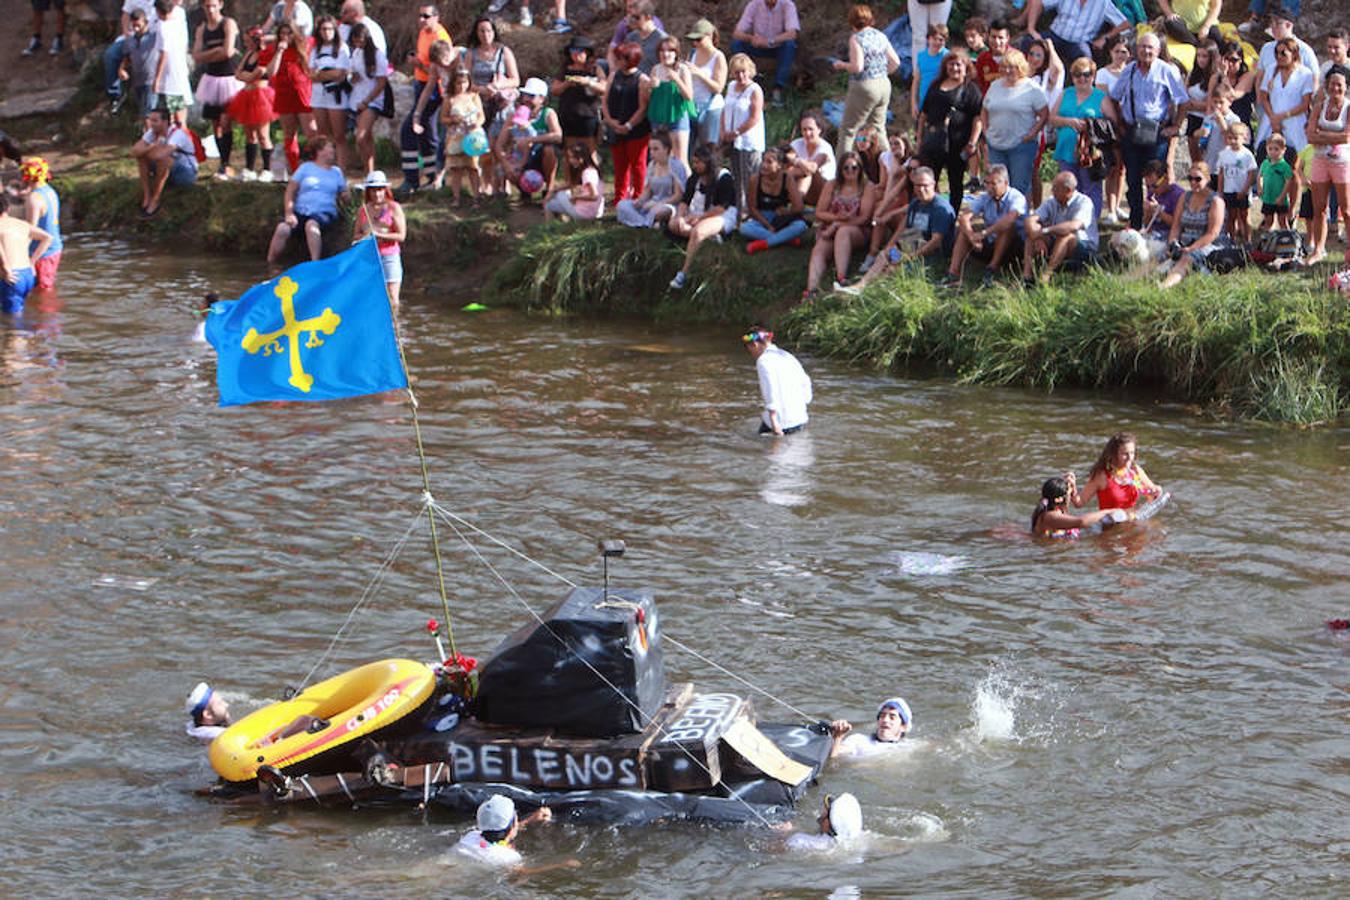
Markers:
1116,106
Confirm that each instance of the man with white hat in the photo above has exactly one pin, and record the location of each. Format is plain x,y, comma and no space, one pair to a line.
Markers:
893,721
840,820
493,841
208,713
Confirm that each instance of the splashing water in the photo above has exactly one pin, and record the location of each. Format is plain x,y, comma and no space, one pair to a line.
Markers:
917,562
994,710
1011,707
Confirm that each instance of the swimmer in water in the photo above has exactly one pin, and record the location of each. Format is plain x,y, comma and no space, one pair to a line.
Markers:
208,713
1116,480
1052,518
493,841
840,820
203,308
893,721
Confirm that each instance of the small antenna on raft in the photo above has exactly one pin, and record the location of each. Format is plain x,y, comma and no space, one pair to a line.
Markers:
608,549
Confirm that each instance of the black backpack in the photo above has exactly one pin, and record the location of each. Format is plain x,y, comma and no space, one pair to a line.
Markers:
1279,248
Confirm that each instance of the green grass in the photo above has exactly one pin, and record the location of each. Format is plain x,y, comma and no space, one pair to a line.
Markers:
583,269
1270,347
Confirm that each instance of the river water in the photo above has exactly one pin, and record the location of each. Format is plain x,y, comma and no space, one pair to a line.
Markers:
1158,713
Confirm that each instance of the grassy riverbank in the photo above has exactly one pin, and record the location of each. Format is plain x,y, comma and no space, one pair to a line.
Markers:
1270,347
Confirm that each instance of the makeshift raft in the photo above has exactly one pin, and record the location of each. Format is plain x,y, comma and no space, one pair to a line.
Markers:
572,712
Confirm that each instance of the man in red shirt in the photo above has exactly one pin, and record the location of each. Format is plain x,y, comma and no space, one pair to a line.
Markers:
987,63
419,149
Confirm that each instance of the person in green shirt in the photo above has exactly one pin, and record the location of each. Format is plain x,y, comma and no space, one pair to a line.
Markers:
1278,185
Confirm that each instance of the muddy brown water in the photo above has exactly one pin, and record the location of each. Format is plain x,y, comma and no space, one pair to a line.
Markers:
1153,713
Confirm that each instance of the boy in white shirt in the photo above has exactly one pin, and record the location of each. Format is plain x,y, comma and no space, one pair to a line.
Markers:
1237,173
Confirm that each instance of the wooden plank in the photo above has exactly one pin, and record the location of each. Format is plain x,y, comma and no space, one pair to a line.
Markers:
763,754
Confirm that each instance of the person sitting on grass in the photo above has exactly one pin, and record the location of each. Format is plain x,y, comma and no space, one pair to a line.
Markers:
708,209
1064,227
311,202
841,222
1000,208
775,213
1237,174
164,155
928,232
1160,209
894,194
581,197
1278,184
1199,222
666,177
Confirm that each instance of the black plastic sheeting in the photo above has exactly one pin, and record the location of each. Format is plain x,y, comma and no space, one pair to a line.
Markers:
752,801
543,675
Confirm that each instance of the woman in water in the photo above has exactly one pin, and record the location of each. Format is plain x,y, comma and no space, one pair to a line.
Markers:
1116,479
1052,518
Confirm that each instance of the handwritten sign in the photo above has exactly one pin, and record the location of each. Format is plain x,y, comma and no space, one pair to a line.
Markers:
552,767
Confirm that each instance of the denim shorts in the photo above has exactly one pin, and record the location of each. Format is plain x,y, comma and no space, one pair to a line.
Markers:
392,263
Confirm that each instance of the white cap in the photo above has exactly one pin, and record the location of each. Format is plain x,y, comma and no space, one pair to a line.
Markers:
535,87
846,817
197,700
496,813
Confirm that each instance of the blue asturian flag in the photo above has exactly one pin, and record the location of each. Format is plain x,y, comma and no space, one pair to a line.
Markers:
321,331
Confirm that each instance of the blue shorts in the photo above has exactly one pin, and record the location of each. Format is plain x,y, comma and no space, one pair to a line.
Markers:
680,124
324,219
183,171
392,263
12,296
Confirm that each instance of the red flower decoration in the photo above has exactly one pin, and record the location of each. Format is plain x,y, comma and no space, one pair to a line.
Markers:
466,663
433,625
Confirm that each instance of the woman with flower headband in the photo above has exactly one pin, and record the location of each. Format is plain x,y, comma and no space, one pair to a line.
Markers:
1051,517
1116,479
42,207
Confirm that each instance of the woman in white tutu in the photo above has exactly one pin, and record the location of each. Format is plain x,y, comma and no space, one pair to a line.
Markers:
214,49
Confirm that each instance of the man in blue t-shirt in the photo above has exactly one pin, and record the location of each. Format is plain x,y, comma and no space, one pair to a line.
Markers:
311,202
1001,209
928,233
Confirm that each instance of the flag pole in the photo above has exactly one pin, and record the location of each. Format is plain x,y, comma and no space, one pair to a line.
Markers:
417,433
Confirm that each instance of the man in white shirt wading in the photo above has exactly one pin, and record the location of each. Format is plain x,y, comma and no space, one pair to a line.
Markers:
783,382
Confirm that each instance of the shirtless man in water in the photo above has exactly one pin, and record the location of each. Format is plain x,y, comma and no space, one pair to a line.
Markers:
21,245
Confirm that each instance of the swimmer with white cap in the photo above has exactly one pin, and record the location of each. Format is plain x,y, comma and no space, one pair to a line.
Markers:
493,841
893,721
840,821
208,713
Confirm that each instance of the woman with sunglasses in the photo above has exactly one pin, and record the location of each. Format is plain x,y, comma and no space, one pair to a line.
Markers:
842,218
1082,101
1233,71
1285,95
1198,224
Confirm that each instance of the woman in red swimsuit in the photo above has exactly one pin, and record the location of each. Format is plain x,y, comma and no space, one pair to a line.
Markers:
1116,479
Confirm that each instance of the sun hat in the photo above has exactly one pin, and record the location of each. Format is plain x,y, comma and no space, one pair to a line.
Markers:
197,700
496,813
846,817
699,30
535,87
900,706
376,179
580,42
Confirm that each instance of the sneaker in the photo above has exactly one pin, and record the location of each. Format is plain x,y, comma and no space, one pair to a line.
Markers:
989,277
404,191
222,176
949,280
851,289
777,99
1109,217
756,247
250,175
795,242
34,46
496,6
974,186
266,176
866,264
838,287
115,106
678,281
526,19
58,46
560,26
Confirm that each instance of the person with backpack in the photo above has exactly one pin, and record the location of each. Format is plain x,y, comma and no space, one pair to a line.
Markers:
166,154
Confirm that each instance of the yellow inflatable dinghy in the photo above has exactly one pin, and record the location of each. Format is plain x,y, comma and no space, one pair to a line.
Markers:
327,718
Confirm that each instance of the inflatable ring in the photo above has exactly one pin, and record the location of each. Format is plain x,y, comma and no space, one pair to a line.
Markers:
327,719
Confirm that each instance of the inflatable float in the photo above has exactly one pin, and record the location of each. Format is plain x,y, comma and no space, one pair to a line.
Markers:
572,711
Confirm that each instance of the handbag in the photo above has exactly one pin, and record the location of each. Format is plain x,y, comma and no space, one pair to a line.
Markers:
933,146
1142,132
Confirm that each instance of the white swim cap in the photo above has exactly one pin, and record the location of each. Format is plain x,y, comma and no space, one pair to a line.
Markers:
197,700
900,706
496,813
846,817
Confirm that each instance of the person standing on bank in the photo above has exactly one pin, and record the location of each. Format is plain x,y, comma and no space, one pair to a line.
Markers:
783,383
214,49
1149,97
421,147
871,59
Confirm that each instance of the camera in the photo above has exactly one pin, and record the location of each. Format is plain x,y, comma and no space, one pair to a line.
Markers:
1175,251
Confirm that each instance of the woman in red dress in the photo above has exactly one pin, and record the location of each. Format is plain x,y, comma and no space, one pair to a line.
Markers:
287,65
